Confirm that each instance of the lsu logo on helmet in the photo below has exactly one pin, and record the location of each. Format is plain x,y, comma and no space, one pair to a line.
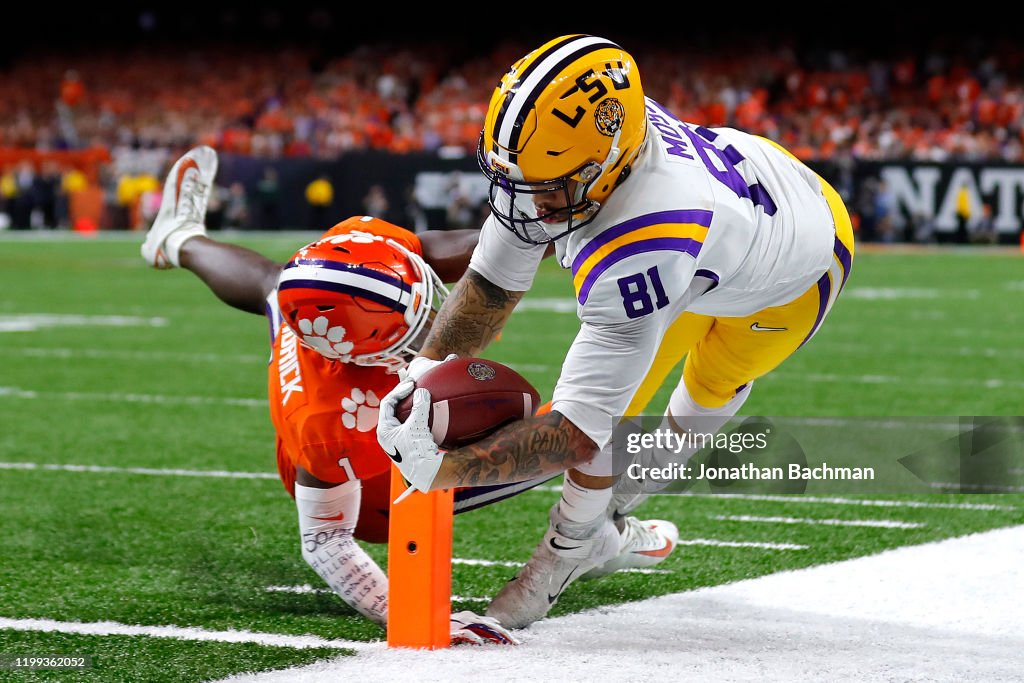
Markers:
568,117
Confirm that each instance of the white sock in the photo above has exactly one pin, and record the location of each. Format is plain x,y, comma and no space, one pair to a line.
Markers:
329,548
172,245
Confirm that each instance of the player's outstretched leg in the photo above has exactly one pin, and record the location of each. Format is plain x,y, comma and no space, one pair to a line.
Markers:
183,208
644,544
567,551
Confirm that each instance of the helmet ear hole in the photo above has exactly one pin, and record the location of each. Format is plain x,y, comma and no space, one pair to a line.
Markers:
343,250
324,309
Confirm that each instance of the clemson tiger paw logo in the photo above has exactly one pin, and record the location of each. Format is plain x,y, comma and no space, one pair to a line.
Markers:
361,410
329,341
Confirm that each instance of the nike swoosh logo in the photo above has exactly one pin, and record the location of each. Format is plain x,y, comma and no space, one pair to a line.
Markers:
552,598
336,518
757,328
554,544
188,164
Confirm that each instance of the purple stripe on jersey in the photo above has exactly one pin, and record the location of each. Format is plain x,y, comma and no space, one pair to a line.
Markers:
709,274
732,154
698,216
344,289
683,244
824,289
350,268
706,133
845,258
761,198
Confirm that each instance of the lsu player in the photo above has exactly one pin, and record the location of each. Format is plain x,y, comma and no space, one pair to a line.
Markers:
682,241
346,312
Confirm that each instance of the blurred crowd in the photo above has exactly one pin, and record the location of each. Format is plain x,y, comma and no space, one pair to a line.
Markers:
140,107
932,105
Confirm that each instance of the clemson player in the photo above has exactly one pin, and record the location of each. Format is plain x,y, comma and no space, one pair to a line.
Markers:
346,313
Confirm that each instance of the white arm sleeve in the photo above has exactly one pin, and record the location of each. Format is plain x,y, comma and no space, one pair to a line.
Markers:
602,371
504,259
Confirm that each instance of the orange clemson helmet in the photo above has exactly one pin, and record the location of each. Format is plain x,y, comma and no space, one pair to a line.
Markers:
360,298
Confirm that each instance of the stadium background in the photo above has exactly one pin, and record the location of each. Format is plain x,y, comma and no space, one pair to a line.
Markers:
141,519
317,115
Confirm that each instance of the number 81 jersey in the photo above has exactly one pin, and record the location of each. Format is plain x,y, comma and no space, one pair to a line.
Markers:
713,221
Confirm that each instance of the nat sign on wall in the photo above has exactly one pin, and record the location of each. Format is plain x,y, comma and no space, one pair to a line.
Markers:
934,190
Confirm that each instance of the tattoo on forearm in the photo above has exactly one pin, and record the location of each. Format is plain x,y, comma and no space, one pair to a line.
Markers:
474,314
547,444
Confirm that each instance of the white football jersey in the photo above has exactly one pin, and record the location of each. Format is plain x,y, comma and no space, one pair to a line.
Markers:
713,221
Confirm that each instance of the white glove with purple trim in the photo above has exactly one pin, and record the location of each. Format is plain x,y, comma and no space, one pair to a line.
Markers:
409,444
472,629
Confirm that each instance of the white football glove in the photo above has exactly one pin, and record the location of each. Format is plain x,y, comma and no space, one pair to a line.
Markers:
410,444
420,365
472,629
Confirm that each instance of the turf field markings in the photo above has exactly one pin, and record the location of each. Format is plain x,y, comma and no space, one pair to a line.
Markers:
894,293
17,392
740,544
874,349
123,355
31,322
800,498
97,469
991,383
509,563
305,589
113,628
975,488
878,523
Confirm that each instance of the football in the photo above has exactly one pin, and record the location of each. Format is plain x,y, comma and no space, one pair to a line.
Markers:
471,398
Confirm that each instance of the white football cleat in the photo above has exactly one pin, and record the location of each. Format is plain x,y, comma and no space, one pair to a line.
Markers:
557,561
645,543
183,209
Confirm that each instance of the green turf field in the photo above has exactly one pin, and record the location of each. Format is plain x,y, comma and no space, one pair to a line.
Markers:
121,384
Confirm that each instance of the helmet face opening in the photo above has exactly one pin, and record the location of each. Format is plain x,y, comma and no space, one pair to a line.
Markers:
360,298
512,204
567,120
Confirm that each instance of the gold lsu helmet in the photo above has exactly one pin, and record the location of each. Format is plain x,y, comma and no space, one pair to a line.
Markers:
571,110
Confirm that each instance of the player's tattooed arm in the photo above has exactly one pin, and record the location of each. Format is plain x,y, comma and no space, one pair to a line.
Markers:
541,445
471,317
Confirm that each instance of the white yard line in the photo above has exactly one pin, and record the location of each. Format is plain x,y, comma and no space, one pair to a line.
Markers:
712,542
127,355
799,498
819,500
222,474
31,322
98,469
306,589
945,611
112,628
17,392
877,523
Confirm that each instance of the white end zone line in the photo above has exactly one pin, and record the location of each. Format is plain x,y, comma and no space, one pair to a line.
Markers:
877,523
943,611
509,563
112,628
306,589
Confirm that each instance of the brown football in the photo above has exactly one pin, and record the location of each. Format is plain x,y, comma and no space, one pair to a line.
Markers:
471,398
